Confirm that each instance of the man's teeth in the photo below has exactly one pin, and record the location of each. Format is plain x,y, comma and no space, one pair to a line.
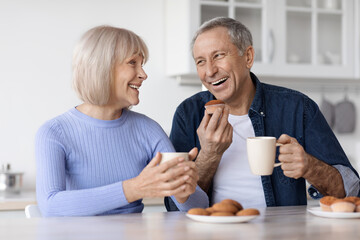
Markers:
219,81
134,86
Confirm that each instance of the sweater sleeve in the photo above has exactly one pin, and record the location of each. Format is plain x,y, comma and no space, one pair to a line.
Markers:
52,196
198,199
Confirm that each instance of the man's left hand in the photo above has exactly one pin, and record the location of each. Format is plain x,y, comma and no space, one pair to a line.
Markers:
295,160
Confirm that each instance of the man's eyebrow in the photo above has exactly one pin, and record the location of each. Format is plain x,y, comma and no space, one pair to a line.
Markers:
211,53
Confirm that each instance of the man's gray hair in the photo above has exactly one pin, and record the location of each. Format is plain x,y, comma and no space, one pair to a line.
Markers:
239,34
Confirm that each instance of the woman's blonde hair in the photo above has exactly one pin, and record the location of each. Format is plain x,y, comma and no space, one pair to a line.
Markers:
95,57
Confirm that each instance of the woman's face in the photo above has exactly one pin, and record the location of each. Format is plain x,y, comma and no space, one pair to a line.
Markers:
128,77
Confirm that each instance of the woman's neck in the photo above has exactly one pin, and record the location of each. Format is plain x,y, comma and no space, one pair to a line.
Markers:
100,112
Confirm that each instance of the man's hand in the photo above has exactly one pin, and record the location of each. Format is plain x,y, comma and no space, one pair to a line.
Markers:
296,163
215,136
215,132
295,160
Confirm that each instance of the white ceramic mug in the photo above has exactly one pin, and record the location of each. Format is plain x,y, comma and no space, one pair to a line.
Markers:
261,153
166,156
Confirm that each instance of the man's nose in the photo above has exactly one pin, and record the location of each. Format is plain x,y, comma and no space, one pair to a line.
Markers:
211,69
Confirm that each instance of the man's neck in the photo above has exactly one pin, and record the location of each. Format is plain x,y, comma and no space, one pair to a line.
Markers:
243,103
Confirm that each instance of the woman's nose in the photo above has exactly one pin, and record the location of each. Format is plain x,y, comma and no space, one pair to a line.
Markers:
142,75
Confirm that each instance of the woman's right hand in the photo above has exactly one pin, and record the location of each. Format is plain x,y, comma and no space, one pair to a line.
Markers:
155,181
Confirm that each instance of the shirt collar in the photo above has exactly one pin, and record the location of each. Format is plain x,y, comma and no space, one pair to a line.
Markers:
257,105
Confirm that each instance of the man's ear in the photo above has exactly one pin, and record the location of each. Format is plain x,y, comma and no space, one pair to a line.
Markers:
250,54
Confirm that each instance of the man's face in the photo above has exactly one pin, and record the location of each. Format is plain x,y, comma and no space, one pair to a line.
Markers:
220,67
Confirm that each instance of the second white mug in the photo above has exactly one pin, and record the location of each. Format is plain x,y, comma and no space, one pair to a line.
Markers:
166,156
261,153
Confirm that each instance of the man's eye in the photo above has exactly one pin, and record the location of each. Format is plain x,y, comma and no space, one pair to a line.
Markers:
199,62
219,55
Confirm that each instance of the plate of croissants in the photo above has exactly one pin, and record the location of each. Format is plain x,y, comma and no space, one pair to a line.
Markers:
226,211
332,207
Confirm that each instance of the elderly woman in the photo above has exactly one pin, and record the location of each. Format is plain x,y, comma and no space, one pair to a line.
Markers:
99,157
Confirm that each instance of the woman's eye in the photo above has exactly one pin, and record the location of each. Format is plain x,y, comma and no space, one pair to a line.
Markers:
132,62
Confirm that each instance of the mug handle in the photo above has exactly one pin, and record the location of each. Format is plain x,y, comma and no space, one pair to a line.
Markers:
278,164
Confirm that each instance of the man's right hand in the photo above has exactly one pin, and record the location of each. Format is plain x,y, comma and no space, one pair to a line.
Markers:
215,136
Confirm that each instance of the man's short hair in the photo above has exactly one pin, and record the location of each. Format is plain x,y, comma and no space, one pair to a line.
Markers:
95,58
239,34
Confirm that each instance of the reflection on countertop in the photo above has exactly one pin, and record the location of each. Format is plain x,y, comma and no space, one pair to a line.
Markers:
19,201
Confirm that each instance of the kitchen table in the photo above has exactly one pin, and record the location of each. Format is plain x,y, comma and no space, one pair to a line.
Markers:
274,223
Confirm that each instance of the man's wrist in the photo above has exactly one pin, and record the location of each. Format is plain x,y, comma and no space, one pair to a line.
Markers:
325,178
207,166
311,163
208,157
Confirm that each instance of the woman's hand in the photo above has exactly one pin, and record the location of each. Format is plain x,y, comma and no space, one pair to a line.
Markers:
159,180
191,175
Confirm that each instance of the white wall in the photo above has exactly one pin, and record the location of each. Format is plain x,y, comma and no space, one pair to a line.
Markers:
37,38
36,43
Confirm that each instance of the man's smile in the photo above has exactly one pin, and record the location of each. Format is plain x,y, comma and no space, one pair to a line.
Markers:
220,81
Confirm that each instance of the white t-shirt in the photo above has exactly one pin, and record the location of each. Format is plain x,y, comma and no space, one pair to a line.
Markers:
233,178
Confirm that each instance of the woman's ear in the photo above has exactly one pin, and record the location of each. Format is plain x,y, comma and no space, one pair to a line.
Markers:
250,54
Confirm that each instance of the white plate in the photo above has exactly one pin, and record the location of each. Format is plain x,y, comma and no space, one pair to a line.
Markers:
318,212
220,219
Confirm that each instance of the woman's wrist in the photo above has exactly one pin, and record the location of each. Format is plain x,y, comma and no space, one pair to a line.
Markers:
130,191
181,199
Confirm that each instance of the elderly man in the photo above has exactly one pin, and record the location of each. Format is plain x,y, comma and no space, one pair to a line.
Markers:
223,53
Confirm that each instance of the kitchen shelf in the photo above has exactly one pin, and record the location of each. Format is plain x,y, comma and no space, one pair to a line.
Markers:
291,39
16,201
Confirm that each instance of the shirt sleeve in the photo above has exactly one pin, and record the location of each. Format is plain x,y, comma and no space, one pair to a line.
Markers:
52,196
159,141
322,143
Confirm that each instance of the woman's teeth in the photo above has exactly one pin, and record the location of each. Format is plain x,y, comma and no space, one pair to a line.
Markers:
134,86
218,82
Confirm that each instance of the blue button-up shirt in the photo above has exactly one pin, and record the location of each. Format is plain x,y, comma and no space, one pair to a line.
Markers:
274,111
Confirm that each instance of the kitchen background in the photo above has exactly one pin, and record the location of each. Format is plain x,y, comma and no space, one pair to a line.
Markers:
311,46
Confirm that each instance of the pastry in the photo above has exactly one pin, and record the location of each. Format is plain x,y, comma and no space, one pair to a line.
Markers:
352,199
225,207
222,214
248,212
212,105
198,211
342,205
233,202
357,203
326,202
210,210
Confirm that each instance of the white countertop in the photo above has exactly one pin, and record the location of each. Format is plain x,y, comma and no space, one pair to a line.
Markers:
275,223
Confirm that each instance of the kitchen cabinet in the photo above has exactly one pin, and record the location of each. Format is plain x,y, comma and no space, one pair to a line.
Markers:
292,38
357,38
